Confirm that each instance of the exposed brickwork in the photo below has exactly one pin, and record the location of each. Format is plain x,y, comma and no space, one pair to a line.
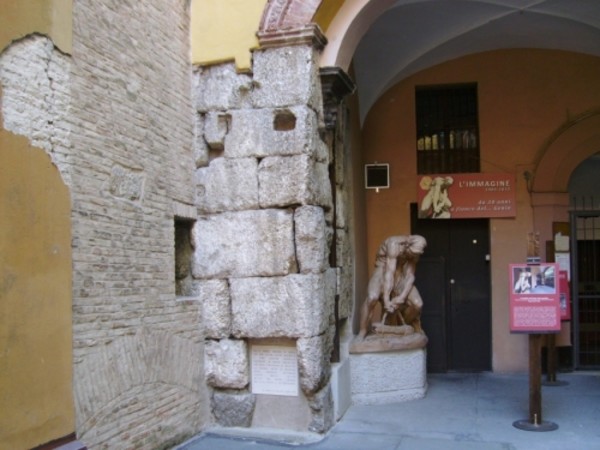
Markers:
132,159
116,117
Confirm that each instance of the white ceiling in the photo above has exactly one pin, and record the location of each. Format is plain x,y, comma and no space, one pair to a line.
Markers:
415,34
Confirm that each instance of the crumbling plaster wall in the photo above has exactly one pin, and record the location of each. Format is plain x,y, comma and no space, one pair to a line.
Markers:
116,118
265,225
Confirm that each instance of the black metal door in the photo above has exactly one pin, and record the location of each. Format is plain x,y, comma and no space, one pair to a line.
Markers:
459,290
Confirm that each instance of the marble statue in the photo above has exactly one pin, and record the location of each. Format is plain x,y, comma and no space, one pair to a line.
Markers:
392,284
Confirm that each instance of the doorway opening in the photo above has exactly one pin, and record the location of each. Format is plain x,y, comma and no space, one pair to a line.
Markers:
453,278
585,285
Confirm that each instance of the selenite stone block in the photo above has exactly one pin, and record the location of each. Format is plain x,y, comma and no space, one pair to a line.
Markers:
290,76
254,132
285,181
216,126
220,87
213,296
291,306
322,409
227,185
312,250
244,244
233,410
314,361
226,364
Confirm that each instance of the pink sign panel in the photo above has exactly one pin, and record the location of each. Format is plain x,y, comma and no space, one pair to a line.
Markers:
565,295
466,195
534,298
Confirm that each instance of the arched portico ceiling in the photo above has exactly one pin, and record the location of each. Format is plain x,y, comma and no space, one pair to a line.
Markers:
402,37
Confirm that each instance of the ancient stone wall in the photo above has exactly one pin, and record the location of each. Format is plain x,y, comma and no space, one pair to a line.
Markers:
265,227
116,117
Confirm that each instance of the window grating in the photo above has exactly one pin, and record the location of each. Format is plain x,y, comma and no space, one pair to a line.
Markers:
586,286
447,138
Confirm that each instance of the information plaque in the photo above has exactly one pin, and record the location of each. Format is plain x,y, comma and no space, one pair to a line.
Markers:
534,298
274,370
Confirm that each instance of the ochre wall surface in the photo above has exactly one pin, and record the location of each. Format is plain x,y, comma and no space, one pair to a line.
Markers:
49,17
226,31
524,97
35,253
222,31
35,298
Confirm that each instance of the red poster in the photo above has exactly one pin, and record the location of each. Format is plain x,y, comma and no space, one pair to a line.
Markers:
466,195
564,295
534,298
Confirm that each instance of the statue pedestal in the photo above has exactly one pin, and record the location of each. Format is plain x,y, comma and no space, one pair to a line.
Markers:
388,377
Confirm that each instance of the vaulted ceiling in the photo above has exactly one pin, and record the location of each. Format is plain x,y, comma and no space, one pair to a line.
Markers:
412,35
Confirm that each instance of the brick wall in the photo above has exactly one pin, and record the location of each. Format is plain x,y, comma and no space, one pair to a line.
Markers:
116,117
138,351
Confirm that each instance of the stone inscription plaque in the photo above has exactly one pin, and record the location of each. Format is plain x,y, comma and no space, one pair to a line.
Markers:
274,370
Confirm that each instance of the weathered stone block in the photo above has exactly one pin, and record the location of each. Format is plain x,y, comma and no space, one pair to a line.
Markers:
213,296
345,281
227,185
341,207
226,364
274,132
293,180
311,239
292,306
314,365
289,75
220,88
322,409
244,244
200,147
331,290
126,183
233,410
216,126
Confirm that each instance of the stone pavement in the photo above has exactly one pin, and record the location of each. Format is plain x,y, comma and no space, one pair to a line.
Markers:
459,412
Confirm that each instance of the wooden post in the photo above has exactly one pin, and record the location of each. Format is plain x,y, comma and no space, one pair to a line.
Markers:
535,422
535,379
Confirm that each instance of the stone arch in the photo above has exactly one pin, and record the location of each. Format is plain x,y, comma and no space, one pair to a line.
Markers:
565,150
286,14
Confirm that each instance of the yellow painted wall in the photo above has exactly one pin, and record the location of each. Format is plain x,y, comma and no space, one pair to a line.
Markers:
36,400
53,18
524,97
225,30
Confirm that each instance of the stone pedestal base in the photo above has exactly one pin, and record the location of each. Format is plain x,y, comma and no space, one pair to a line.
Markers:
388,377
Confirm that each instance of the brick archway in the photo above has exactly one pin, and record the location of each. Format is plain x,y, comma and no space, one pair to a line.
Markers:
282,15
289,22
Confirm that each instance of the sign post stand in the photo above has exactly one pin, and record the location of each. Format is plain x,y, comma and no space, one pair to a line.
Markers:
535,310
535,421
